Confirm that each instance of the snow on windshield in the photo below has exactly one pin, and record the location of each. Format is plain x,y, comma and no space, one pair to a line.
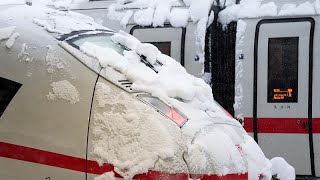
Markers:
101,39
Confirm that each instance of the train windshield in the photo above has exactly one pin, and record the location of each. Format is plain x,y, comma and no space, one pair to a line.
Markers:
100,39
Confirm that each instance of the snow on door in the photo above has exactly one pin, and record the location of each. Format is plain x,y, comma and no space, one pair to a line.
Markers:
282,93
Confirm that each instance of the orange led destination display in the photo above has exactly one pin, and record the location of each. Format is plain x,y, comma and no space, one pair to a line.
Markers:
282,94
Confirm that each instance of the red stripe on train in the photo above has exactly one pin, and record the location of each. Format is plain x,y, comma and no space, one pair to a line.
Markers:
28,154
282,125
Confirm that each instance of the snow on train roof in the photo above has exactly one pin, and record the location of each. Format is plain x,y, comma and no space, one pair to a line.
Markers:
53,21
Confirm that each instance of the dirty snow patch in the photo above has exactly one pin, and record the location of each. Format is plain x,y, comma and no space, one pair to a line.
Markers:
64,90
12,39
5,33
24,55
53,60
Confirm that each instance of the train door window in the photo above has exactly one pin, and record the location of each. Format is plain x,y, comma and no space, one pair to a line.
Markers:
283,70
7,91
169,40
164,47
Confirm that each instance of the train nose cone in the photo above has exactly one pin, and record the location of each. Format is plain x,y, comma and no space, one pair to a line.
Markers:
214,152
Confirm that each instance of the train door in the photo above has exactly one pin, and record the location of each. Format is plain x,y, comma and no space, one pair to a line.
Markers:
282,91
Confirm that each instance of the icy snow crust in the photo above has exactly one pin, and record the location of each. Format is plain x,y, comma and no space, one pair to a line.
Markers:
131,136
64,90
130,140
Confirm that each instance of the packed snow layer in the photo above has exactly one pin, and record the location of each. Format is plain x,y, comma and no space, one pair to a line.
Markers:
241,28
144,17
64,90
317,6
54,62
179,17
258,165
129,134
5,33
247,9
162,12
215,149
199,9
12,39
282,169
301,9
190,95
106,176
59,4
5,2
126,18
53,21
257,8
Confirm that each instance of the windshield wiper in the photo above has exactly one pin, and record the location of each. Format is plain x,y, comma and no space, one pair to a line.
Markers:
143,59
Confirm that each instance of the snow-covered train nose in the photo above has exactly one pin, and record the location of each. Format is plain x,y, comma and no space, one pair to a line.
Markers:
214,152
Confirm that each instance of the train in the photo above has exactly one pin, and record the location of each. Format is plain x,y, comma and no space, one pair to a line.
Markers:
80,101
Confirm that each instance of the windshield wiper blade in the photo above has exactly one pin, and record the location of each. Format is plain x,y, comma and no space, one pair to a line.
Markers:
143,59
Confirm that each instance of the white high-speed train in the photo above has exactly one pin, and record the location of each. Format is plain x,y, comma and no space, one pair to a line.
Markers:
73,105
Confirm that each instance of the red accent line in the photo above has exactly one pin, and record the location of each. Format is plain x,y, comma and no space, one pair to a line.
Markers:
28,154
248,124
41,157
282,125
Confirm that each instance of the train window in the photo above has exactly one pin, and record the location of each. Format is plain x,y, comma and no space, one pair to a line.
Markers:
164,109
164,47
283,70
7,91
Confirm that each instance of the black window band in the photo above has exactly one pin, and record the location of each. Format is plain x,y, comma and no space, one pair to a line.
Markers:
8,90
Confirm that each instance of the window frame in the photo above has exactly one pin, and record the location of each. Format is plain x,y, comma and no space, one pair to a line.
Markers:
283,41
